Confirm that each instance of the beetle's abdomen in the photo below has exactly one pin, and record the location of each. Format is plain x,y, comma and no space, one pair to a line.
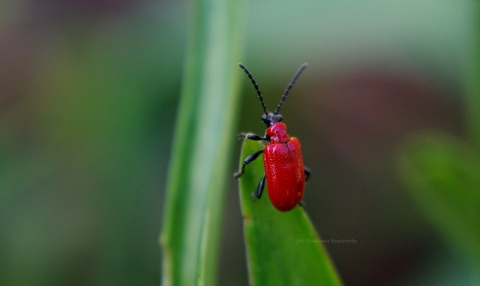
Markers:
284,173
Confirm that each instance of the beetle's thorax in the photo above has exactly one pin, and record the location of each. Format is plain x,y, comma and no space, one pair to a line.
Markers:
278,133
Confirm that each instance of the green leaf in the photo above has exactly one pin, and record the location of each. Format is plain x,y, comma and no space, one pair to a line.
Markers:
203,137
443,175
282,247
472,98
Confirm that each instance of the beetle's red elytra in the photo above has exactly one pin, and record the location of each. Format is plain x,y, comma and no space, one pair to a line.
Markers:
282,156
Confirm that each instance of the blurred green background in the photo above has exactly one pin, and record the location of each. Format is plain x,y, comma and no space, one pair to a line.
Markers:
88,94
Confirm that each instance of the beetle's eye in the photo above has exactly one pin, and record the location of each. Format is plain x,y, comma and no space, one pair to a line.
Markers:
279,118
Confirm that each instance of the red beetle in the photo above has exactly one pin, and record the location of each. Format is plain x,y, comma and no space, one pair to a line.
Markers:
282,159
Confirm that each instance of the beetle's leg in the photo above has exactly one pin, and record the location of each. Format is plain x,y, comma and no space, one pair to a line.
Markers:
247,160
301,204
307,173
251,136
260,187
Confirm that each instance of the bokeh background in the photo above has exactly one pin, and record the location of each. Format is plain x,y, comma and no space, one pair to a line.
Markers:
88,98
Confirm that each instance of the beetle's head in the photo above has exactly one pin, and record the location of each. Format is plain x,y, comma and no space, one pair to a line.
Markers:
271,118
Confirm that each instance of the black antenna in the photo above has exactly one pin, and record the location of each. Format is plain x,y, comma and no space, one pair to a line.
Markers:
256,87
287,90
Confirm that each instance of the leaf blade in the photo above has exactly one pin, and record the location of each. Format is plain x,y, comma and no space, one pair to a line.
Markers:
441,174
202,144
283,248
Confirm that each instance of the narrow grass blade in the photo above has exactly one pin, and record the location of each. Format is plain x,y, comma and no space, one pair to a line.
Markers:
443,176
202,143
283,248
